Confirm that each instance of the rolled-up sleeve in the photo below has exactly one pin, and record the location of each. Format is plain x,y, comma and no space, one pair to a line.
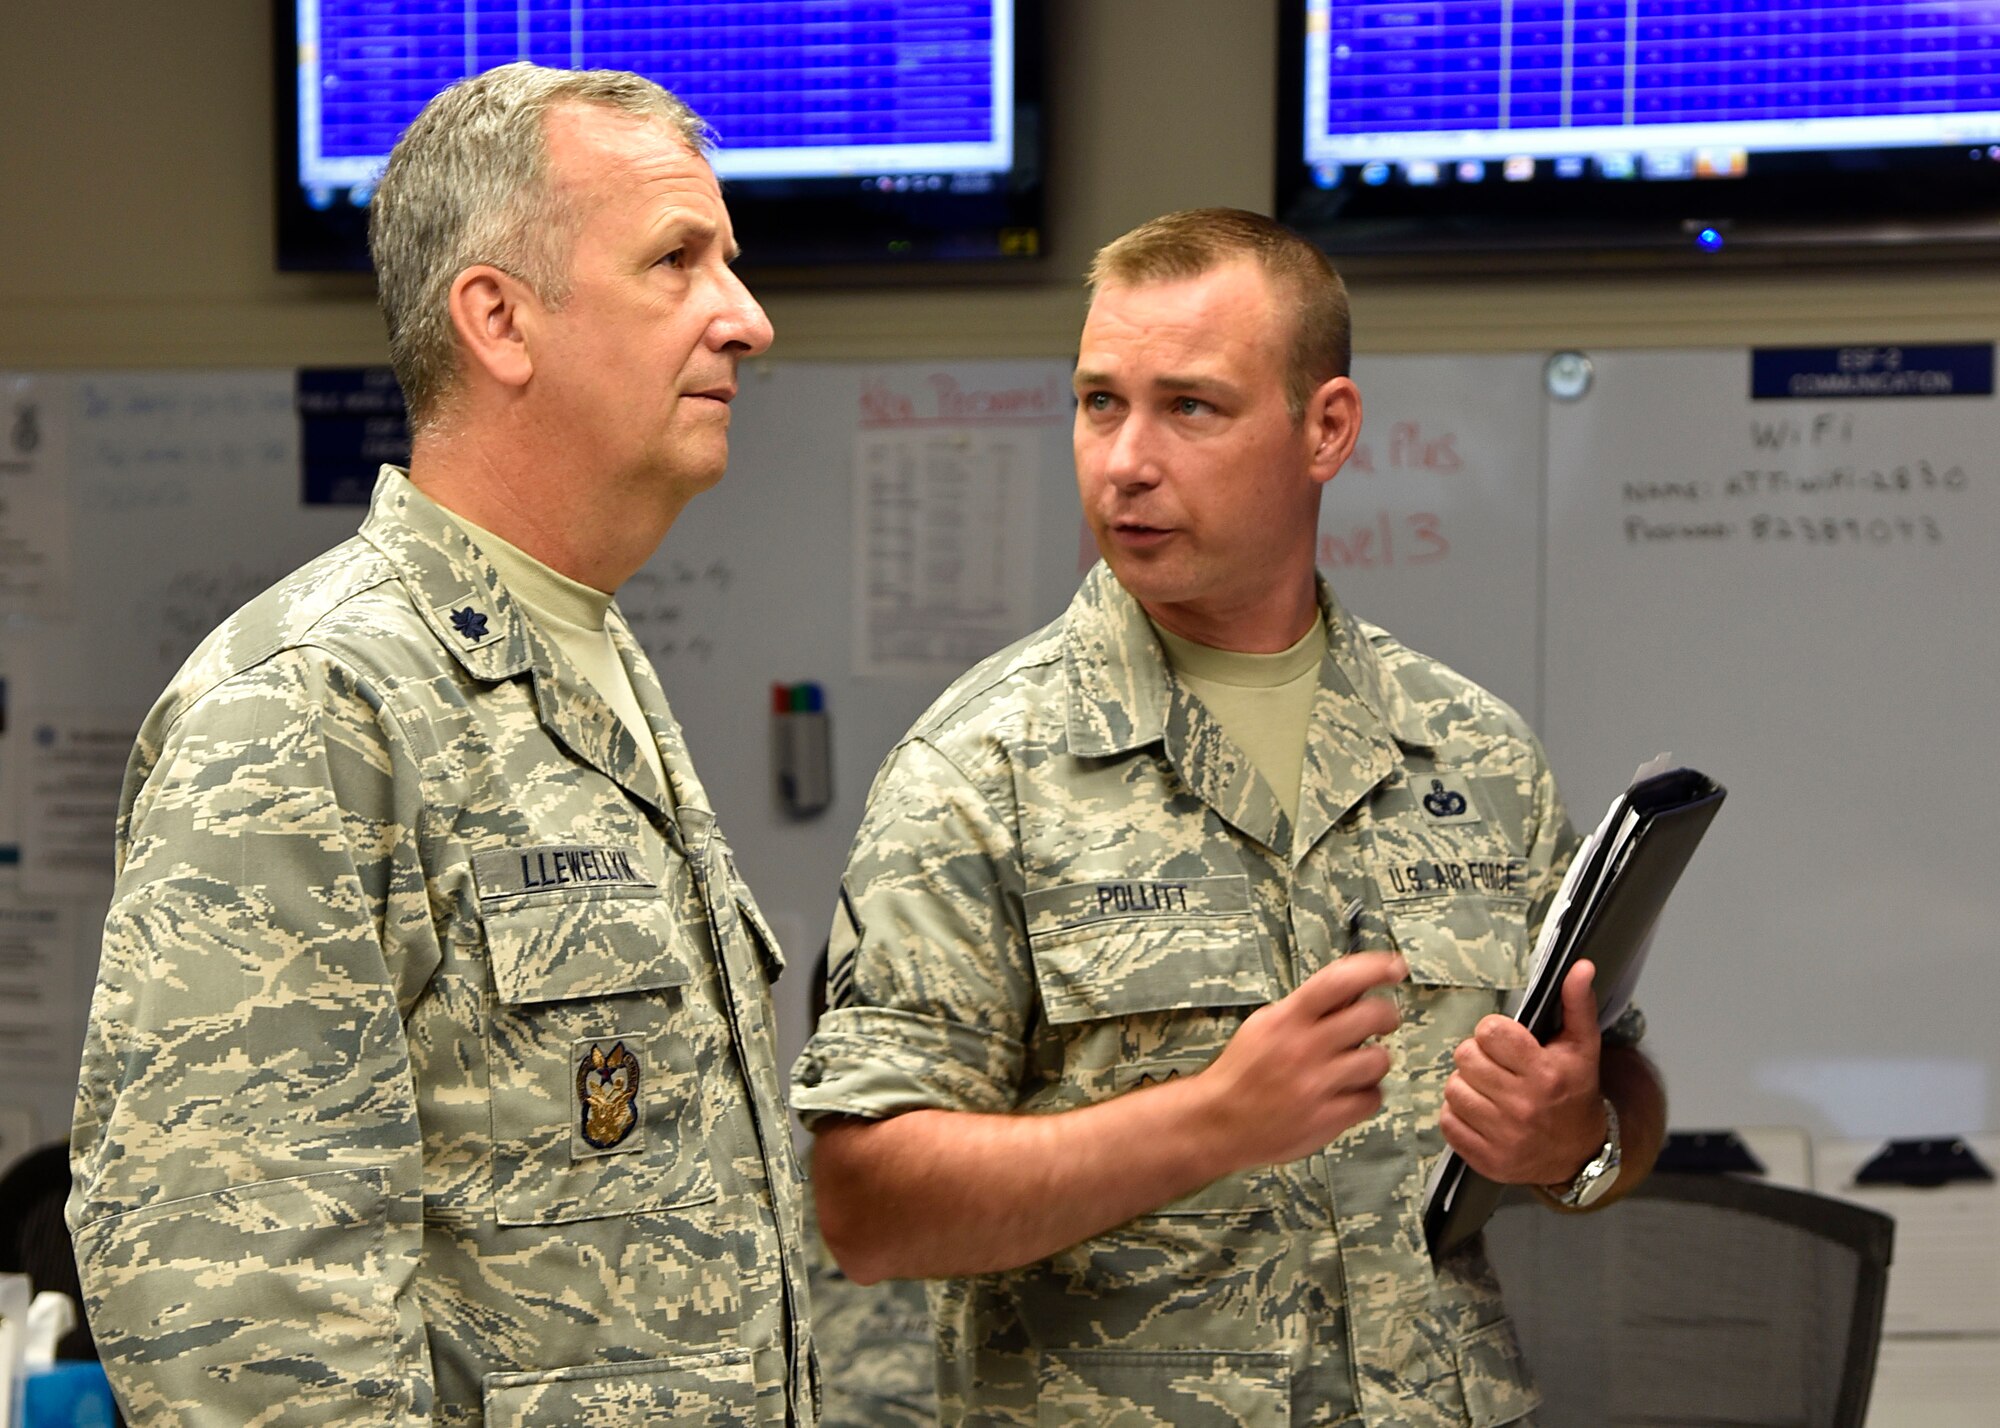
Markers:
930,988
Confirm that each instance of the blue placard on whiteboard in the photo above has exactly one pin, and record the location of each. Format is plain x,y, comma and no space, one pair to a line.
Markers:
351,420
1818,374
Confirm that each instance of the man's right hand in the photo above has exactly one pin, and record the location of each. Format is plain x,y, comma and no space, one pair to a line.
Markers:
1301,1070
931,1194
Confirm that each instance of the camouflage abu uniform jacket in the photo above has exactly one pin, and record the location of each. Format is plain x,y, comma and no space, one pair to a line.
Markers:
430,1073
1069,883
877,1366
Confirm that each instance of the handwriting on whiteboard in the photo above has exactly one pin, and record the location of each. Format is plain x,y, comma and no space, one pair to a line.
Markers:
1390,539
939,398
1811,481
1409,447
149,443
1427,460
674,607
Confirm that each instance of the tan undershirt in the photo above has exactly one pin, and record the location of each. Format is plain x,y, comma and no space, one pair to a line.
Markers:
1262,701
572,614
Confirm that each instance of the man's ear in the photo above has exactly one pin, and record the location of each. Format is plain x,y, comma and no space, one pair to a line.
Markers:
1332,426
493,313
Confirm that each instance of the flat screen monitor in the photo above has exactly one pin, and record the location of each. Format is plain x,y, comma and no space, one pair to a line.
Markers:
1704,126
897,131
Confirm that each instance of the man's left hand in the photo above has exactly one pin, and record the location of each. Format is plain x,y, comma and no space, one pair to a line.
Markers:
1522,1113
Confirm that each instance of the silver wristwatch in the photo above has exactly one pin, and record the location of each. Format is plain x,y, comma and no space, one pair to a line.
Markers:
1599,1175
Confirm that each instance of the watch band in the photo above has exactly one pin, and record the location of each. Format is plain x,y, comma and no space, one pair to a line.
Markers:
1599,1174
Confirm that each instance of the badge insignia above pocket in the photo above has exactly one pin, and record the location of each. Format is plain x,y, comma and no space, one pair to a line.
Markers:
607,1094
1447,798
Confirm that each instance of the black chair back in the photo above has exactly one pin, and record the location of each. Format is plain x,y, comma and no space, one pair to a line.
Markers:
1698,1299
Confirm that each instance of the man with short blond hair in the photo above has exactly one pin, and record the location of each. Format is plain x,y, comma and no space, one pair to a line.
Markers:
1172,946
1195,241
430,1075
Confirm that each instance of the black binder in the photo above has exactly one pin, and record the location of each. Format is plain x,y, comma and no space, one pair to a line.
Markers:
1604,914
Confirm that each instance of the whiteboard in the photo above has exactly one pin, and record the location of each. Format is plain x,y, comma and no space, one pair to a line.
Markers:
1838,689
181,495
1799,599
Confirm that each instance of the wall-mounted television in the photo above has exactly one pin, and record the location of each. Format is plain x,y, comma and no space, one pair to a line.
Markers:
890,132
1698,126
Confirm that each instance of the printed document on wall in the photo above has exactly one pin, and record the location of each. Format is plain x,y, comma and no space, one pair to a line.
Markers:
942,564
63,785
34,510
38,999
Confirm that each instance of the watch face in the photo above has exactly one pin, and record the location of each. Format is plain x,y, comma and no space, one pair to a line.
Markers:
1597,1178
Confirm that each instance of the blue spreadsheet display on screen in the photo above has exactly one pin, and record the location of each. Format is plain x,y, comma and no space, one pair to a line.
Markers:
1684,88
793,88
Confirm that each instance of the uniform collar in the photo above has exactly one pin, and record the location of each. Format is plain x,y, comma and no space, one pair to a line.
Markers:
455,588
1368,678
689,798
459,593
1122,696
1121,689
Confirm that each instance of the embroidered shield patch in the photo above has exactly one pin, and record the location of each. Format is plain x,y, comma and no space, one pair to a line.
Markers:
607,1095
1447,798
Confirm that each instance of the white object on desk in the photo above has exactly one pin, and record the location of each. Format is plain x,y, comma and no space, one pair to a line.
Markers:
1785,1152
1939,1364
1935,1383
17,1292
1945,1277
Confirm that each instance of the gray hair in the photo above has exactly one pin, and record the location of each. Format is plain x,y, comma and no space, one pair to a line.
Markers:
468,183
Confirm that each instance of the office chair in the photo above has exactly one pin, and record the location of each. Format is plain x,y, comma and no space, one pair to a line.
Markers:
34,1240
1698,1299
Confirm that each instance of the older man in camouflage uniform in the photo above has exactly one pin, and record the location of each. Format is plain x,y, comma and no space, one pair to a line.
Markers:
1170,950
430,1073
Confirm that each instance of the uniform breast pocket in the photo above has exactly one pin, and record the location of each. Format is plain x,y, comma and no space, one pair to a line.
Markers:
1146,982
597,1049
1468,957
1153,956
